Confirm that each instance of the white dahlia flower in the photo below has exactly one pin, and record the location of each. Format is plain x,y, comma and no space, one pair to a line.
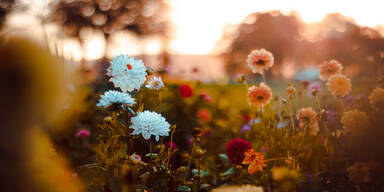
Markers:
127,73
149,123
112,97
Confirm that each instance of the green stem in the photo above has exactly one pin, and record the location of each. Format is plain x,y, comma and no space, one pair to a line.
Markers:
159,101
170,148
150,149
318,102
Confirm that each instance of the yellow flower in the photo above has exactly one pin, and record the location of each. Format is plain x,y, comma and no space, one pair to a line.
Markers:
376,98
355,122
329,68
255,160
242,188
260,60
339,85
308,119
259,96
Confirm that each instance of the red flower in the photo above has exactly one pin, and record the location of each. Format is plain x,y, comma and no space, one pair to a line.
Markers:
186,91
204,115
236,149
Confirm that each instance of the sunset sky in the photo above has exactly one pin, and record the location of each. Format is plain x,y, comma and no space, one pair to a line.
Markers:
198,24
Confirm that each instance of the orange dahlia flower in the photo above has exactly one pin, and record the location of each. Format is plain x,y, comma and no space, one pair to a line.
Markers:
259,96
329,68
260,60
255,160
339,85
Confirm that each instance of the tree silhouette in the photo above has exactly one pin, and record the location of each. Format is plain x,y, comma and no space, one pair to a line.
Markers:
142,17
359,49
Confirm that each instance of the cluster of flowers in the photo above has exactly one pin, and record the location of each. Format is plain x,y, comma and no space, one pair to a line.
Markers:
129,75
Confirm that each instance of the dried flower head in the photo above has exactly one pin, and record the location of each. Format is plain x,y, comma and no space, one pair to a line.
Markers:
291,90
255,160
260,60
259,96
355,122
308,119
329,68
376,98
339,85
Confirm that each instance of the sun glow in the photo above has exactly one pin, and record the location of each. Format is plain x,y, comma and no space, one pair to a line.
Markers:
197,25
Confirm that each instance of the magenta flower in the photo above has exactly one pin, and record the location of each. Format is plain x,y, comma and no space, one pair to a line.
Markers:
82,133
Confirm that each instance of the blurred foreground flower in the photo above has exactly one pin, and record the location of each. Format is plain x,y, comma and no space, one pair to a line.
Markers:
236,149
359,173
355,122
149,123
260,60
155,83
329,68
259,96
115,97
376,98
255,160
127,73
243,188
284,173
339,85
186,91
308,119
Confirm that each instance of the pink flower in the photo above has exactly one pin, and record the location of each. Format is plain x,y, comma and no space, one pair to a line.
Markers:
314,86
185,91
82,133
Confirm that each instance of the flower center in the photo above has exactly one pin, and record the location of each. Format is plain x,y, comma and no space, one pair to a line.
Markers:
156,83
260,97
129,66
306,119
330,70
260,62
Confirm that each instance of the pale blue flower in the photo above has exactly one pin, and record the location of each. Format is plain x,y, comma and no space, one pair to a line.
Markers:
149,123
127,73
155,83
115,97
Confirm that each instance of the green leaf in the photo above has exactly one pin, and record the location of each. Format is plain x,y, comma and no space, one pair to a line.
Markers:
183,188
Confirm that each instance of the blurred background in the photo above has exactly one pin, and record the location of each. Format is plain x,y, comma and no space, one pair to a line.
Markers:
205,40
